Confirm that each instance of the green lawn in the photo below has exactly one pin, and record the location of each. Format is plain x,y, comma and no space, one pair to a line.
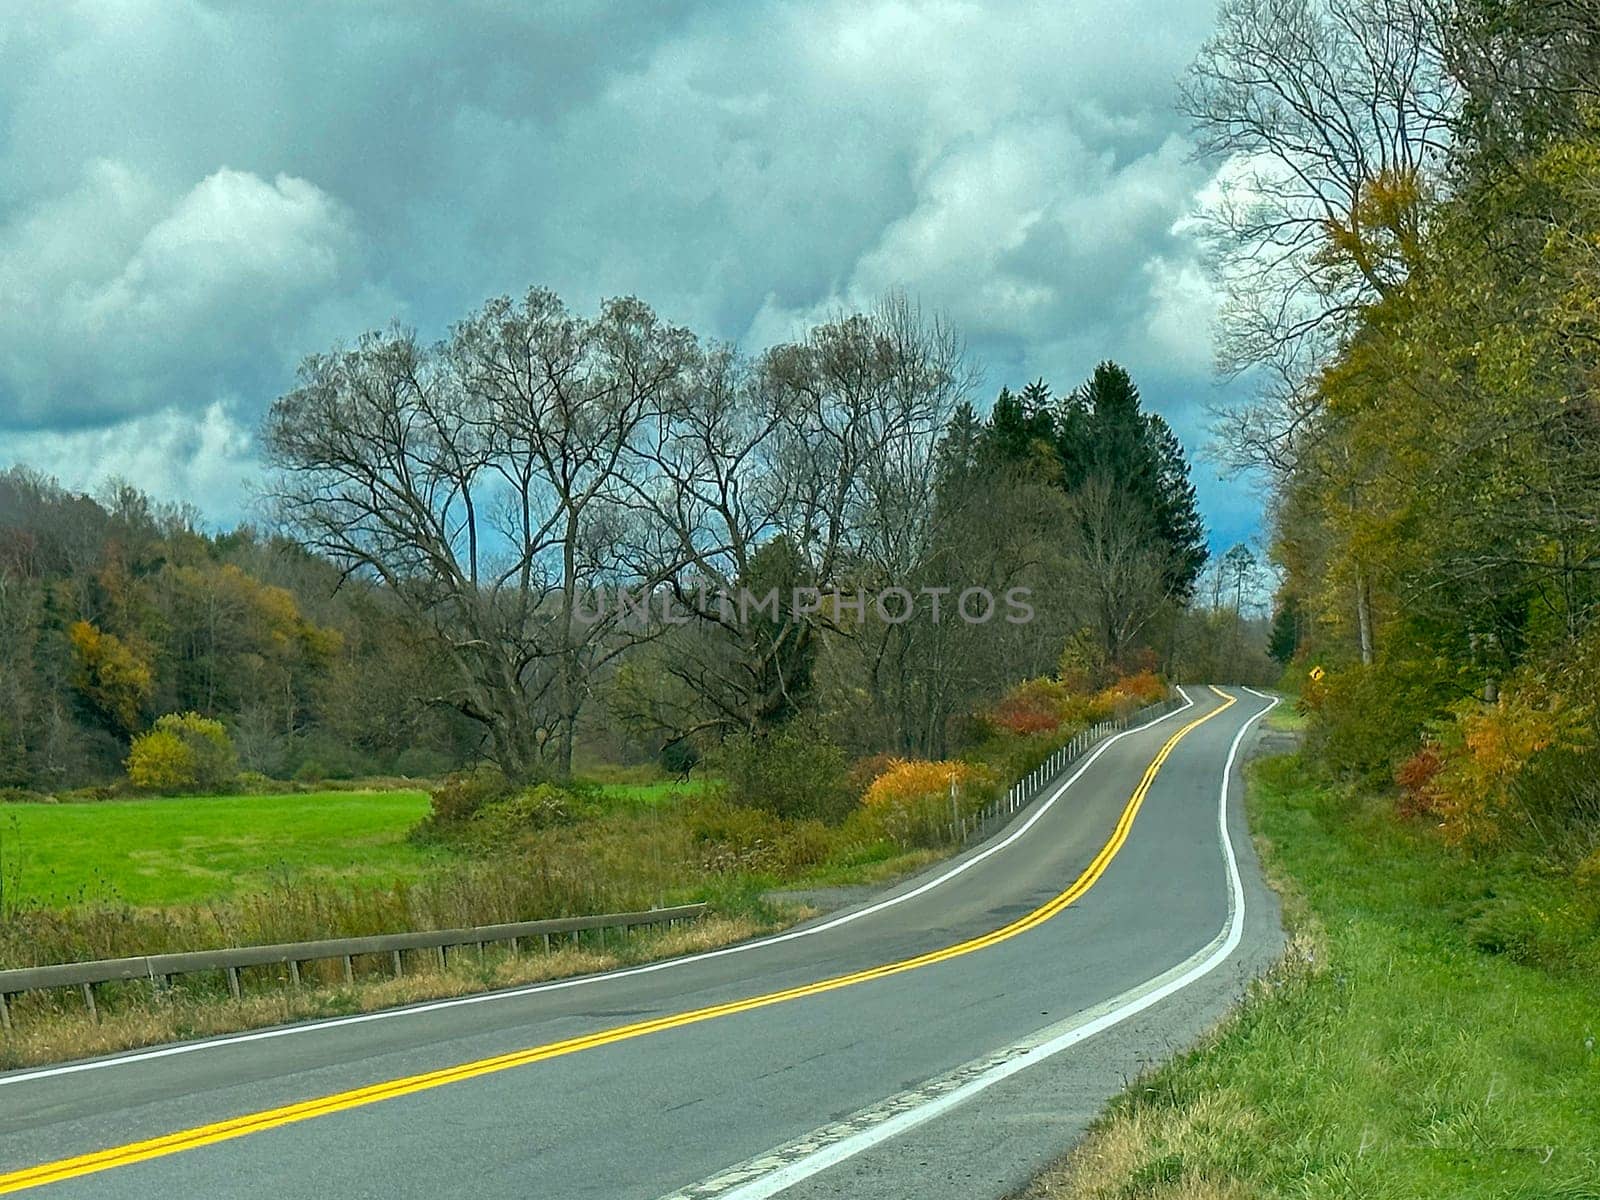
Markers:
648,795
185,849
1400,1052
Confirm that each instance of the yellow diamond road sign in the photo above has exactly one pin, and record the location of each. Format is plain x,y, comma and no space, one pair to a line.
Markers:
1317,674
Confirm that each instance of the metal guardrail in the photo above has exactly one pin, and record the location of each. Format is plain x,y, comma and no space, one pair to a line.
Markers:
1023,792
160,968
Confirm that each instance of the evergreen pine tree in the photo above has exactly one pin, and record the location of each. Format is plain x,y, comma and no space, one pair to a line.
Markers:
1284,639
1103,432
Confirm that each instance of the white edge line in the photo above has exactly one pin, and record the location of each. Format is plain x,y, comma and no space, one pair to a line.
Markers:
97,1064
800,1169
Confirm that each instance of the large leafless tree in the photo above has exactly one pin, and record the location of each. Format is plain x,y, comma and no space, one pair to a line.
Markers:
487,482
810,468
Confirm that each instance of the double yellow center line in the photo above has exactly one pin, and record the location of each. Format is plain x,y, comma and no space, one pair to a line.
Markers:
289,1114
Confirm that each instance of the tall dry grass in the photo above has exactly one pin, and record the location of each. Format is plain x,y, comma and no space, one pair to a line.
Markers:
626,862
52,1027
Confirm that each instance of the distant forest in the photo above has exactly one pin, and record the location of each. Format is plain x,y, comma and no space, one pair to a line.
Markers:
116,609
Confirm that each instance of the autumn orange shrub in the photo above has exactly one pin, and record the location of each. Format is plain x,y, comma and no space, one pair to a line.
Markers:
1484,753
1132,692
1045,705
908,780
911,802
1419,794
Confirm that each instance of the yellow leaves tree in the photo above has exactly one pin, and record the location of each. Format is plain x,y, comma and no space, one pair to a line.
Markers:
1380,236
1449,477
111,674
244,642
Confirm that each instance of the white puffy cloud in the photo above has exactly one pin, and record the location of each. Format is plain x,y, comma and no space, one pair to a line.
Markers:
200,194
122,299
205,458
1183,306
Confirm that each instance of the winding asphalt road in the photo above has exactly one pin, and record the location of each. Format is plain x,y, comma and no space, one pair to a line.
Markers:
945,1039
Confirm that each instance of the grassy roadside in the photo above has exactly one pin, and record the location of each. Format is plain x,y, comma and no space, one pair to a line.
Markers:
1286,718
1398,1050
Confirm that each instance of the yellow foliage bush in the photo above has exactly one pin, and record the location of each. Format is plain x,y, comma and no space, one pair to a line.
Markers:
1484,754
910,802
908,780
184,751
1132,692
161,761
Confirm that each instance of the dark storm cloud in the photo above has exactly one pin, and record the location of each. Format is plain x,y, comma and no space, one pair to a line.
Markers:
195,196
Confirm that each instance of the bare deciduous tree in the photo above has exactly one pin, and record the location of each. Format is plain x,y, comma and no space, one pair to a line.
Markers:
486,483
813,468
1117,569
1328,122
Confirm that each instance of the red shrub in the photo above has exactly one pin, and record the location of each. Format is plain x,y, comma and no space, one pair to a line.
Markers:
1033,706
1415,777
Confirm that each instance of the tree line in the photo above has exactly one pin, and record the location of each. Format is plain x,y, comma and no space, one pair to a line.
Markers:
499,481
1413,276
449,520
115,610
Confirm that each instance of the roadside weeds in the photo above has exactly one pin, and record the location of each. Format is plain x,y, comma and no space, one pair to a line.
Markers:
1388,1053
52,1029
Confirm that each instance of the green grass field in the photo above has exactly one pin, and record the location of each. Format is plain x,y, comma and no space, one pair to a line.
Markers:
190,849
187,849
1394,1054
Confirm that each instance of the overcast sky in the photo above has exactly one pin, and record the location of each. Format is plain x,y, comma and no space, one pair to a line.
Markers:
194,196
